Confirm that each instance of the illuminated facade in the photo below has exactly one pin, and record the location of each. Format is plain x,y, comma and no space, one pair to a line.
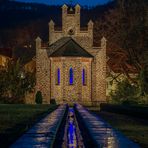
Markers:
5,56
70,68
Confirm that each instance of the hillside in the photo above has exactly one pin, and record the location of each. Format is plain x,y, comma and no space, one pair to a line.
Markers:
124,24
23,22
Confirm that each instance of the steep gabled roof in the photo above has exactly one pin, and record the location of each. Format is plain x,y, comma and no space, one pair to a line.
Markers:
56,45
68,47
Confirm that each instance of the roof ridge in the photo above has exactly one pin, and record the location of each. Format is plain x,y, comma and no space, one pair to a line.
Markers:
62,45
82,47
80,51
65,43
59,40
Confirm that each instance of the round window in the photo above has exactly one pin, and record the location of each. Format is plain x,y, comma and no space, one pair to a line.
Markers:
71,32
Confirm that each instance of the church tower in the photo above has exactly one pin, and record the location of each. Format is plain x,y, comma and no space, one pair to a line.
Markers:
71,68
71,27
71,20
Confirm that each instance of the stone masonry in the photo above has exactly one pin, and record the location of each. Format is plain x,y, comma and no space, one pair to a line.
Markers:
93,61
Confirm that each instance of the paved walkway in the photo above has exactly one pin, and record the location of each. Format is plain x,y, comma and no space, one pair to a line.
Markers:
102,134
43,133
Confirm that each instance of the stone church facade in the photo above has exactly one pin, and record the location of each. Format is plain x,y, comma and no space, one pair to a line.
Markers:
71,69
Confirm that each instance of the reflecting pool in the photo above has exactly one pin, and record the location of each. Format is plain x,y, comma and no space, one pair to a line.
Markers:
72,140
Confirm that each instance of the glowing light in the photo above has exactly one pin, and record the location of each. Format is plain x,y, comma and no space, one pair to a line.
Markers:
58,76
83,76
71,76
72,142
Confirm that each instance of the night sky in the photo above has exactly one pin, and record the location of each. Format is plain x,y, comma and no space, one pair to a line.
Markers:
81,2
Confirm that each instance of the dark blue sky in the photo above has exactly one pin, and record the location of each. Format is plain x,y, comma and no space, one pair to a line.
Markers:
81,2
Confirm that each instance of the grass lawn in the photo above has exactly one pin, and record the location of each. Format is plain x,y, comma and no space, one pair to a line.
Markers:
134,128
16,119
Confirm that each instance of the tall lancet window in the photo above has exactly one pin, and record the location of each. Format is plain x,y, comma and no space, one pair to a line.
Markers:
71,79
84,77
58,77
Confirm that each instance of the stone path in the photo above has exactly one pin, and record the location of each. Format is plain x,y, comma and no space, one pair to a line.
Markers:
43,133
101,133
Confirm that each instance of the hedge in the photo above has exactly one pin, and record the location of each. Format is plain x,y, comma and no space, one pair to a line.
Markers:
135,111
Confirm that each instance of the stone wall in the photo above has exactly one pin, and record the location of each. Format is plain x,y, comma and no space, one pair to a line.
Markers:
72,22
46,67
100,72
95,90
42,72
65,91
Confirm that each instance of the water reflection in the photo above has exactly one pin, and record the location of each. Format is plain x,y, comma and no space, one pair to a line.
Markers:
72,141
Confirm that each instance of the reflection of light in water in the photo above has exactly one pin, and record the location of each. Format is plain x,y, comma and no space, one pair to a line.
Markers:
71,130
111,142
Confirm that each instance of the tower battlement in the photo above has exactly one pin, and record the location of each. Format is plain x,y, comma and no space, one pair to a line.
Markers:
71,58
71,27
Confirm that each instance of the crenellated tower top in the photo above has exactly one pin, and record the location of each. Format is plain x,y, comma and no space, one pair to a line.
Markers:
71,26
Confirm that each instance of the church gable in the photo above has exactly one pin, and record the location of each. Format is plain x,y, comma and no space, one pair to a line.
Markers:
71,28
70,48
56,45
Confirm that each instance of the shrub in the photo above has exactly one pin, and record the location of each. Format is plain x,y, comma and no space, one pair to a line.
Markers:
143,81
38,98
125,93
52,101
130,110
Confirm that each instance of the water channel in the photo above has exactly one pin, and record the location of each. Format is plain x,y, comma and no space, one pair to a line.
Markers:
74,136
73,127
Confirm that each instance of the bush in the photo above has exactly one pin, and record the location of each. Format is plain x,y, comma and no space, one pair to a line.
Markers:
125,93
52,101
38,98
131,110
143,81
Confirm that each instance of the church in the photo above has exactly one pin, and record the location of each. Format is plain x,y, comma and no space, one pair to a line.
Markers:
71,69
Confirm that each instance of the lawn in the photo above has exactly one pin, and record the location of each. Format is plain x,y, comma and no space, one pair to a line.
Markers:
16,119
134,128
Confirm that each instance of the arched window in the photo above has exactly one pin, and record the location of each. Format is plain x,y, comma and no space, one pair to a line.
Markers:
71,76
84,77
58,77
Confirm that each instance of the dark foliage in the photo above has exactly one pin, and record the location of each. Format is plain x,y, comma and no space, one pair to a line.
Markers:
23,22
135,111
15,82
125,93
38,98
53,101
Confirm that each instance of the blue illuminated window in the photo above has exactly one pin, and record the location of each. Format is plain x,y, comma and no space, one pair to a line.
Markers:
58,77
84,77
71,76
